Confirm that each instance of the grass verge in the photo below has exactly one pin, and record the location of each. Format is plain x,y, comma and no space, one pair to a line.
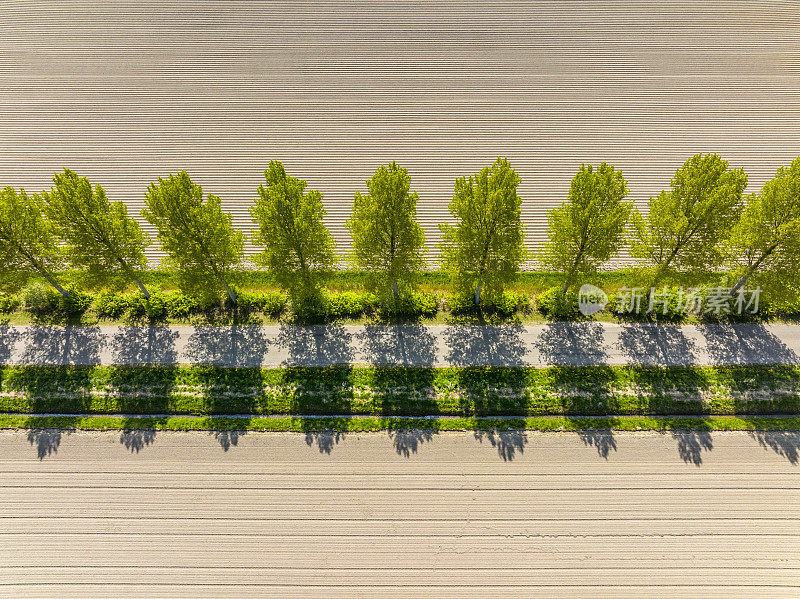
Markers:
375,398
354,424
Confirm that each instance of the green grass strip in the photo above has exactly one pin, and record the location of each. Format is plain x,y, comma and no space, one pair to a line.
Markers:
390,392
368,424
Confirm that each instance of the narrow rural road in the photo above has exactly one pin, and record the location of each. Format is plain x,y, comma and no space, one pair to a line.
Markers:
498,514
556,343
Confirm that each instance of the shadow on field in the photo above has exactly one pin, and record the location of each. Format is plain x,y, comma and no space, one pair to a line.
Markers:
325,440
508,442
228,438
45,440
745,343
784,443
134,440
692,444
602,440
407,440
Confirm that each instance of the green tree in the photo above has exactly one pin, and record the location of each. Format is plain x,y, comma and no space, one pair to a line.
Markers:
589,227
197,236
298,249
387,240
485,247
767,235
685,225
100,236
27,239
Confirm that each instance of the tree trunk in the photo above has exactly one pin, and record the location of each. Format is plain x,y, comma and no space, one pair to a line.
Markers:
54,283
394,289
230,292
751,270
571,272
741,281
142,288
478,294
126,267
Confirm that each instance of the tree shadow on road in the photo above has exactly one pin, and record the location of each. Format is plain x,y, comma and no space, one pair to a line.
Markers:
62,345
327,388
784,443
573,344
487,345
233,345
8,338
656,345
153,344
404,345
745,343
316,345
581,377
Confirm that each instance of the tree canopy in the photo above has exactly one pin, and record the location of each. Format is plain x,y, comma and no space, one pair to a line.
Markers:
387,240
100,236
27,239
298,249
484,249
197,235
768,233
684,226
589,227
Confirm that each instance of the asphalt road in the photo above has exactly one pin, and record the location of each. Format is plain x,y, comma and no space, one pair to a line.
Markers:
435,345
596,514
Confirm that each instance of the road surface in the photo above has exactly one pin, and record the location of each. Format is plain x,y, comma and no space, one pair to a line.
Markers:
518,514
436,345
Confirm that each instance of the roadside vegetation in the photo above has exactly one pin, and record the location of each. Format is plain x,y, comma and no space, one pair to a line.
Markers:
402,391
72,254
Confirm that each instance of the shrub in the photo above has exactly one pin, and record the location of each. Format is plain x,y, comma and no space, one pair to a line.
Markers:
179,305
108,304
8,303
554,304
154,307
503,304
310,307
332,306
509,302
40,299
350,304
269,302
413,305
